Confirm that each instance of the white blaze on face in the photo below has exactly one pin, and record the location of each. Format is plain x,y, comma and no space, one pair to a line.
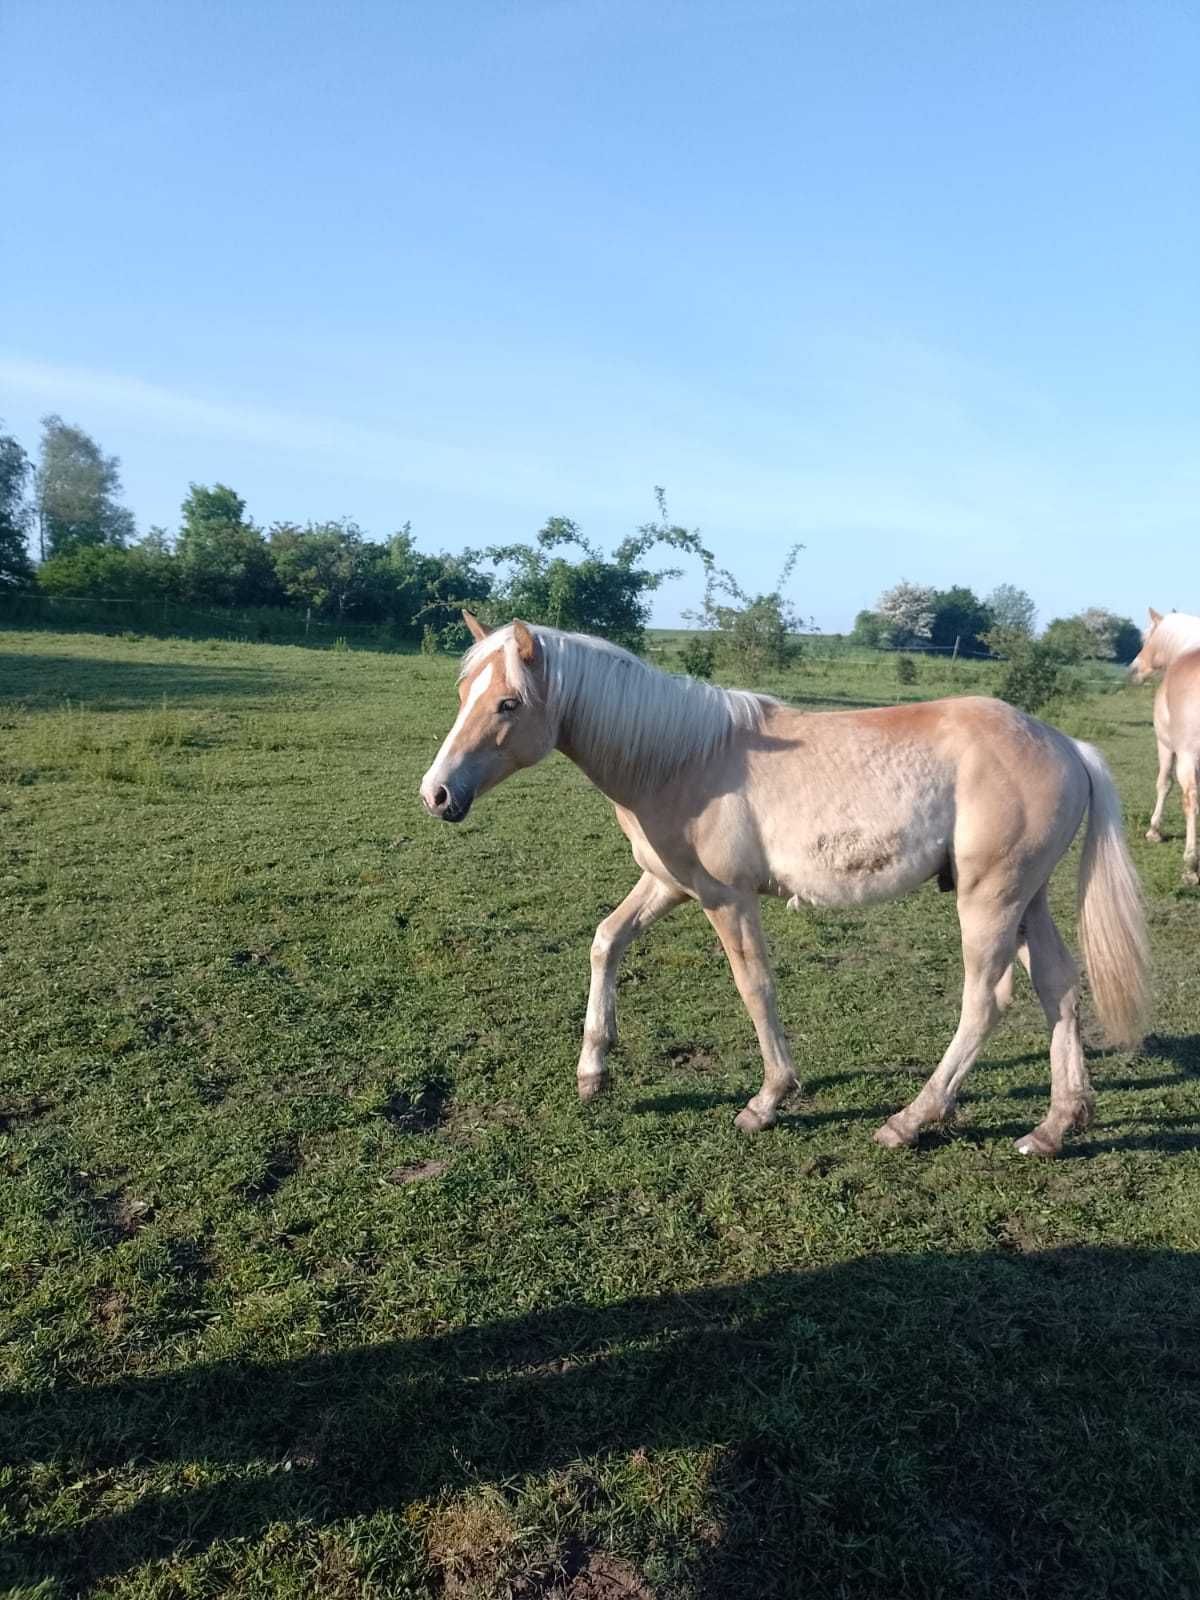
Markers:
433,778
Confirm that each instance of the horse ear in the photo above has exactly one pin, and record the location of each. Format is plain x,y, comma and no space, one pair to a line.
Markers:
1154,616
477,629
526,643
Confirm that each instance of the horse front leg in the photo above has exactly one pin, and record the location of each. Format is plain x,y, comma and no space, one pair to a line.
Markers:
739,928
649,899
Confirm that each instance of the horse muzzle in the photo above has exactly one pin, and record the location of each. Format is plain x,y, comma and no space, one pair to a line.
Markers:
441,802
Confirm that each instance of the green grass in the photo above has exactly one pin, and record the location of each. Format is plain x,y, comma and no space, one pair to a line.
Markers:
317,1279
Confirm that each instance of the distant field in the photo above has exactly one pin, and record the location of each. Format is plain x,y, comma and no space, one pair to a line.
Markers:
317,1280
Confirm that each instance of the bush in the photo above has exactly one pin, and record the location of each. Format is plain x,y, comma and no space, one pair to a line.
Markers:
906,669
1034,681
608,595
1038,670
871,631
698,658
753,633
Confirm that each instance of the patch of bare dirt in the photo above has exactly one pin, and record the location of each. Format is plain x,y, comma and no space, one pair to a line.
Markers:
604,1577
690,1056
416,1171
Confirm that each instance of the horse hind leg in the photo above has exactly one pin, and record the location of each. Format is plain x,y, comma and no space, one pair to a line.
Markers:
1056,980
989,939
1166,757
1185,769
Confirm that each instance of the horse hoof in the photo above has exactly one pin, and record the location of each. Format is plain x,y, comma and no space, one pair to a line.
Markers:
891,1137
593,1084
1036,1144
751,1121
1154,836
1191,877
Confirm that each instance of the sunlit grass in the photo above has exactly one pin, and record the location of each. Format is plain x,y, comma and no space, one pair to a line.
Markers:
316,1279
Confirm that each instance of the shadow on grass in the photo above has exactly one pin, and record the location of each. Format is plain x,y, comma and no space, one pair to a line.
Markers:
993,1424
101,684
1182,1049
796,1114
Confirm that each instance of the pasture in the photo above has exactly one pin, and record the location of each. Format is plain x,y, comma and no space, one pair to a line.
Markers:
317,1279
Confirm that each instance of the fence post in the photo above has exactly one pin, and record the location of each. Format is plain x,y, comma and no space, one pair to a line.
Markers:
957,637
307,619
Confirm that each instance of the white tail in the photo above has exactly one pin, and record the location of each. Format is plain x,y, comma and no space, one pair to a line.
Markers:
1112,926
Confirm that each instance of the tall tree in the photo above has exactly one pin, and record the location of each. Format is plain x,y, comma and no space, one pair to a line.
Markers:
77,492
222,557
326,565
16,569
960,619
1012,609
907,610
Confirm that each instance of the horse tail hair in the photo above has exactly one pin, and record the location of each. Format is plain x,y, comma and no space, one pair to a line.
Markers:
1112,923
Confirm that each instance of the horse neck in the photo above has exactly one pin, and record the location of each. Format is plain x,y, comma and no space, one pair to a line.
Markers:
629,739
1178,640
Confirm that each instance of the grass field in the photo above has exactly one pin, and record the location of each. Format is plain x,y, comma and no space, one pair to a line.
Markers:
317,1280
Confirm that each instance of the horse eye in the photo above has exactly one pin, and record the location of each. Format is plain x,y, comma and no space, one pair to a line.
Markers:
507,707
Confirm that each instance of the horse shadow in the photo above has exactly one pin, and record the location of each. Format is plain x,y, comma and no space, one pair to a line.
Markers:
1167,1134
994,1423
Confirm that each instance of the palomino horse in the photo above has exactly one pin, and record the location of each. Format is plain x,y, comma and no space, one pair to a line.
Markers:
726,796
1172,647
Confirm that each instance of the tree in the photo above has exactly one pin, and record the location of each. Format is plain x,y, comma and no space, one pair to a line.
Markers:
1012,609
325,565
143,571
1117,638
223,558
77,489
907,610
599,594
422,592
960,619
871,631
16,569
1098,634
1126,640
754,633
1071,639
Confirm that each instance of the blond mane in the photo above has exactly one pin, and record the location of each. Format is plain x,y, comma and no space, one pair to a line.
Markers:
1177,632
624,719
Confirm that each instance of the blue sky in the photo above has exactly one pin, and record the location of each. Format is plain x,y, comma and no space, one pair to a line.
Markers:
916,284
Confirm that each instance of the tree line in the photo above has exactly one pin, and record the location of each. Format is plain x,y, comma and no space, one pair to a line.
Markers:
68,505
913,616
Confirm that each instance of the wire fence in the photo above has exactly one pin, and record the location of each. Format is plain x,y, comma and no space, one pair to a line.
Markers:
168,618
272,625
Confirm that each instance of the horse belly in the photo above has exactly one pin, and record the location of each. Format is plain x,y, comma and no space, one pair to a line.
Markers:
847,865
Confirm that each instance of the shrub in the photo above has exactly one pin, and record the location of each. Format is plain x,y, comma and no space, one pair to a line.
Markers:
1038,670
906,669
871,630
698,658
753,633
601,594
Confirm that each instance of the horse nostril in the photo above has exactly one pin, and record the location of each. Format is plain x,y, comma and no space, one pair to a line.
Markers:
441,795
